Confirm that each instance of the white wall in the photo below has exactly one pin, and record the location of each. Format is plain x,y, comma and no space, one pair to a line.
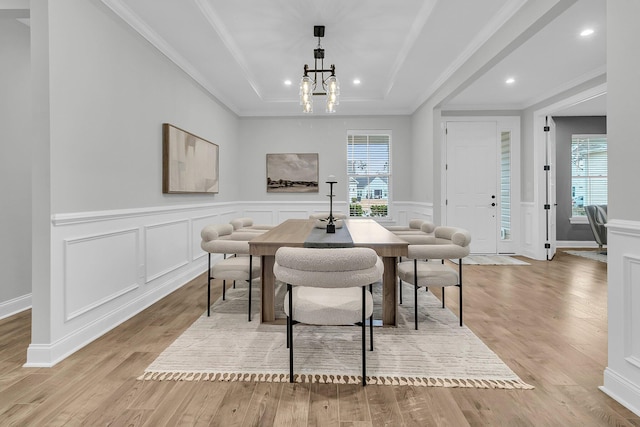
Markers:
107,243
15,172
622,375
326,136
110,93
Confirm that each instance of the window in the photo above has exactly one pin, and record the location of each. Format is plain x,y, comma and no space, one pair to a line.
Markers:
505,185
368,173
588,172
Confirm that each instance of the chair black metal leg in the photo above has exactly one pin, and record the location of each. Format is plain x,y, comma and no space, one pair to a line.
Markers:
209,287
443,297
364,335
426,288
250,271
460,286
400,282
224,290
371,321
290,332
415,292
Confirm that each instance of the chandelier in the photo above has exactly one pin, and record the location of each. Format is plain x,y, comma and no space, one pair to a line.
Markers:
318,84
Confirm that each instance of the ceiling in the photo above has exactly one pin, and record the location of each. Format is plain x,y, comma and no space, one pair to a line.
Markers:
243,51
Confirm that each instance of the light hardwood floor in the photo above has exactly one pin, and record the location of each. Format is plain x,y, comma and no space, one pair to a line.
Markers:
547,321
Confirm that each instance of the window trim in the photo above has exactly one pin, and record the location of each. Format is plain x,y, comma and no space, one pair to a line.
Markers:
372,132
582,219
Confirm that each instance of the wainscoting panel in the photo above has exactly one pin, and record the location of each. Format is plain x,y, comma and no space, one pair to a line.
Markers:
286,214
403,212
166,248
622,375
631,295
263,216
92,278
108,266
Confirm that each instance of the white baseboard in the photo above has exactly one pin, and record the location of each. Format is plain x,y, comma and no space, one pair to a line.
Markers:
15,306
48,355
576,244
621,390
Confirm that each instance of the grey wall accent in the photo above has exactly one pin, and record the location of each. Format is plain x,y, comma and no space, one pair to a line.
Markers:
565,127
110,94
15,152
328,138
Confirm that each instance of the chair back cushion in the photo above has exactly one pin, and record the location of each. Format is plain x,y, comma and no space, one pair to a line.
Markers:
327,268
427,227
325,215
239,223
458,236
215,231
217,238
416,223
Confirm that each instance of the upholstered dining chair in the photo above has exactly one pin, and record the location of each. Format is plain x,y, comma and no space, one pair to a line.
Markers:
450,243
322,289
240,265
325,215
416,226
245,224
322,219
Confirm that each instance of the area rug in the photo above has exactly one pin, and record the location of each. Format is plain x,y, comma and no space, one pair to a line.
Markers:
225,347
594,255
490,260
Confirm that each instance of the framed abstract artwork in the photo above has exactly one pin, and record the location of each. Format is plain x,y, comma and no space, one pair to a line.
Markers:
190,164
292,173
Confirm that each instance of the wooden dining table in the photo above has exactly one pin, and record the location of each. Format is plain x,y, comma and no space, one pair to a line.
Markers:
365,233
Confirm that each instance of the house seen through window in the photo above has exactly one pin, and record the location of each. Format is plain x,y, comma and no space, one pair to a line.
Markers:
368,173
588,172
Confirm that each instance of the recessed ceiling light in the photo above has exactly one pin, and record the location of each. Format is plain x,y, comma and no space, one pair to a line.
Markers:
510,81
587,32
287,82
356,81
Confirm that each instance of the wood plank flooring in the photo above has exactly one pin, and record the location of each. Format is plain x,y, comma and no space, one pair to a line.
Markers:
547,321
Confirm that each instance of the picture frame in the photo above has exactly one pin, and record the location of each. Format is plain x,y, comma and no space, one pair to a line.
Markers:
292,173
190,164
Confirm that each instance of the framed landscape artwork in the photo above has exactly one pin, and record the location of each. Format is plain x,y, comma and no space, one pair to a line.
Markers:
292,173
189,163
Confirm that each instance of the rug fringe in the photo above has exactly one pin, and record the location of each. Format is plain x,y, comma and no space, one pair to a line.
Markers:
336,379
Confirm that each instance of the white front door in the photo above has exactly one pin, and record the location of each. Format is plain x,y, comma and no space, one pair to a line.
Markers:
471,182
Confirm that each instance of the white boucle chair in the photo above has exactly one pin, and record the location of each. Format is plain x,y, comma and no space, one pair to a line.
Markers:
449,243
322,219
325,215
220,239
322,289
246,224
415,227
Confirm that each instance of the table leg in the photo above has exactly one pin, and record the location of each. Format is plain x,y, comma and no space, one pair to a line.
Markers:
268,293
389,294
